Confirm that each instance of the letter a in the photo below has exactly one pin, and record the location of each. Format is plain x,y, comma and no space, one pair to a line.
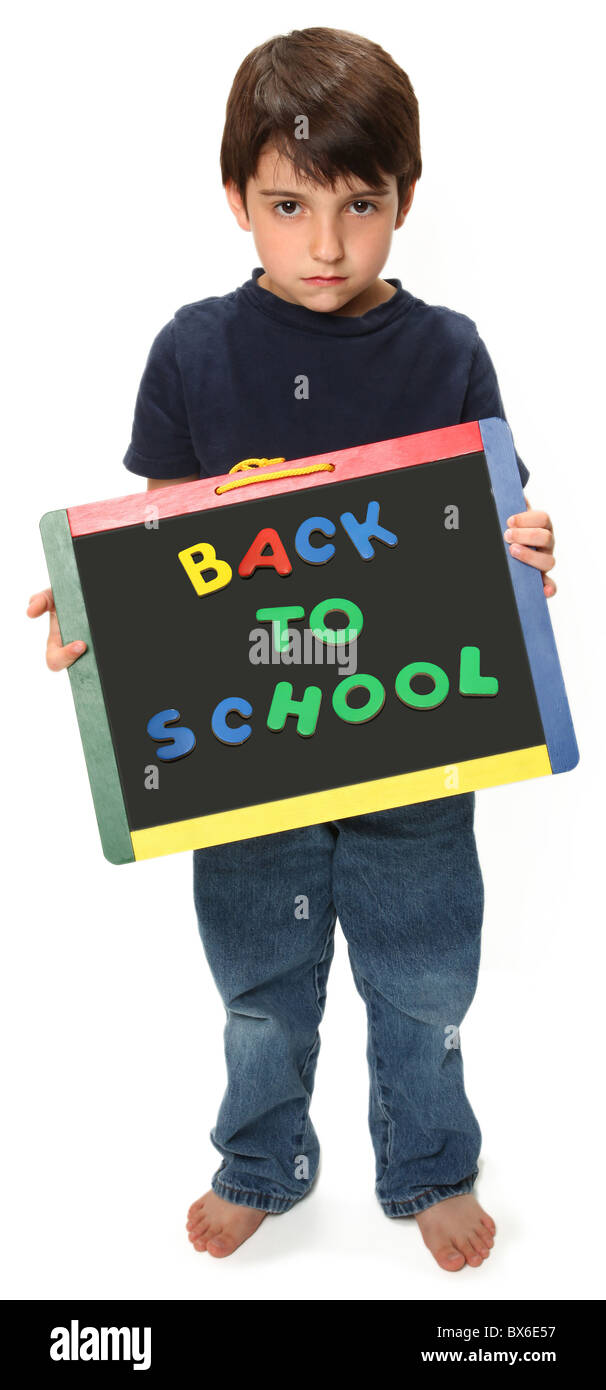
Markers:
254,558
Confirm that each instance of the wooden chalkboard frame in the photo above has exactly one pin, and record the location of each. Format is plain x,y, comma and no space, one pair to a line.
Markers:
559,753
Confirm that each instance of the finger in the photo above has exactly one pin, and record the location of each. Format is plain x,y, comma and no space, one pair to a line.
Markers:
58,656
41,602
531,535
538,558
549,588
531,518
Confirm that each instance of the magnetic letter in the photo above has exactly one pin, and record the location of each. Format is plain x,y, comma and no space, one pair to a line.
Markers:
279,617
374,703
221,729
409,697
254,558
195,569
177,742
341,635
361,531
306,710
314,554
470,680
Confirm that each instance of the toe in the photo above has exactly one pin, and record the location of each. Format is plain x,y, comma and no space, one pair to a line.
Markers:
220,1244
199,1237
488,1222
450,1258
479,1245
195,1222
471,1255
198,1232
482,1237
196,1207
197,1217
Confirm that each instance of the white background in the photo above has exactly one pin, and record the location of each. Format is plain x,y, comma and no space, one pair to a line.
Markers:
112,1064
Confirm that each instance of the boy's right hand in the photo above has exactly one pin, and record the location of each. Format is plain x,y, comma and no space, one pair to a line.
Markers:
57,656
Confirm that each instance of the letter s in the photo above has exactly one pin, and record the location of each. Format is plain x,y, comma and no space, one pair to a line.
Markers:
178,742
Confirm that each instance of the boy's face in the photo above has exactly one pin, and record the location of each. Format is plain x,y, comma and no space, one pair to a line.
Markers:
303,230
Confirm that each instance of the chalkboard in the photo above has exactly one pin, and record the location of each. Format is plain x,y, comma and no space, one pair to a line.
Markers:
364,640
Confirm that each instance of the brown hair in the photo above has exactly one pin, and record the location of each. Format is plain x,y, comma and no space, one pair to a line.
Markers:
362,111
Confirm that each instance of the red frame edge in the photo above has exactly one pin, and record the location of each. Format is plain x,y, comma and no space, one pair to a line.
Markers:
410,449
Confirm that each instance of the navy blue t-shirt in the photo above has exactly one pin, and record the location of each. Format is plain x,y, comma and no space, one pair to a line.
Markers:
223,377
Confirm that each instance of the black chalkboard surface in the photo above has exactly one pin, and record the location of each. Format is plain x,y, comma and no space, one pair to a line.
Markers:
416,555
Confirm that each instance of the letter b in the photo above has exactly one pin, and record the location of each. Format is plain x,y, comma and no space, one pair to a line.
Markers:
196,568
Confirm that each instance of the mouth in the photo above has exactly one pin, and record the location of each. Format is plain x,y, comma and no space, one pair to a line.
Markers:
324,279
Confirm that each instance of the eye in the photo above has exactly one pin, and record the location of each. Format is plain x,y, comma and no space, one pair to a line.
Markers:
288,203
365,203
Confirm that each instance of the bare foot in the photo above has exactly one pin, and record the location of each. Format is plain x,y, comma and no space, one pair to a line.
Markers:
457,1231
219,1226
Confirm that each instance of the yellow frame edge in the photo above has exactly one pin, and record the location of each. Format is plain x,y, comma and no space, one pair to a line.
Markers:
361,798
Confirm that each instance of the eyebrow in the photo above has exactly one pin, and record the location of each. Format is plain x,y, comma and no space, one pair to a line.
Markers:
379,192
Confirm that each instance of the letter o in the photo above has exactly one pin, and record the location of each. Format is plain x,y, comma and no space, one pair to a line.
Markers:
354,616
410,697
373,706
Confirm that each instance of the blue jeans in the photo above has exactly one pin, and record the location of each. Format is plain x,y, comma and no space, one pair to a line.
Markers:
407,888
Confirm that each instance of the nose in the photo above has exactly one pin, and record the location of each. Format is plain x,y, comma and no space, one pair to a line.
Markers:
325,242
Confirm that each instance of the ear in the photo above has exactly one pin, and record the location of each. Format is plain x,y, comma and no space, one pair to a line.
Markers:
405,209
236,205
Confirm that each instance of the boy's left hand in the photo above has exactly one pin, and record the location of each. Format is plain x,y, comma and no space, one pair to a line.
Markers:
533,529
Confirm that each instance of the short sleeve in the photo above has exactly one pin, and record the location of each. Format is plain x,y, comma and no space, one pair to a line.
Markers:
483,397
161,444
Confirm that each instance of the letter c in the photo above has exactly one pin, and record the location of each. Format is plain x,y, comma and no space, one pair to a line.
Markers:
222,730
314,555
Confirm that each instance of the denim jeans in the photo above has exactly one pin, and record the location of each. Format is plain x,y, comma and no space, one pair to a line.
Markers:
407,888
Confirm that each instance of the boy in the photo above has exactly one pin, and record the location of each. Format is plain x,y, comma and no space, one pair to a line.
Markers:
316,353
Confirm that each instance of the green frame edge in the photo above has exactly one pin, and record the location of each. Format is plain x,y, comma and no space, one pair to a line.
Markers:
84,678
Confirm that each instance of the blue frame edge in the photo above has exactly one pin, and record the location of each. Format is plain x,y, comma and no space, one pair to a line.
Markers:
534,615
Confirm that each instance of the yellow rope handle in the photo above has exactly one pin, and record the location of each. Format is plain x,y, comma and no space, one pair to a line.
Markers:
268,477
253,463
